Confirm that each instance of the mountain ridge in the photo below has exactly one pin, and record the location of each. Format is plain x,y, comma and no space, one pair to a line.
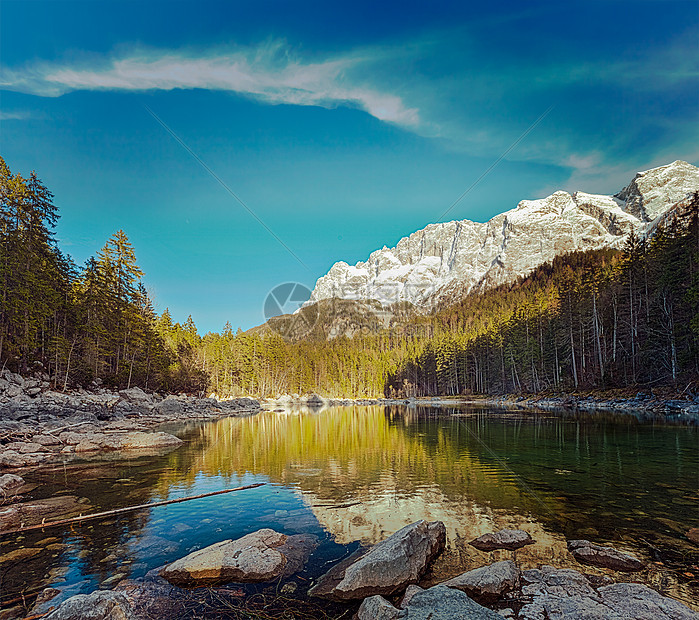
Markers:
444,260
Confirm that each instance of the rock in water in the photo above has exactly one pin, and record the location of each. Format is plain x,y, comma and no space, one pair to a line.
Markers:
693,535
487,583
260,556
100,605
504,539
589,553
9,483
386,568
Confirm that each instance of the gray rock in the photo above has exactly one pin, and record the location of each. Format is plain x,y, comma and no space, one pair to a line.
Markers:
410,591
16,379
313,400
136,396
169,406
388,567
9,483
634,600
562,594
591,554
13,390
564,582
487,583
504,539
100,605
46,440
260,556
442,603
378,608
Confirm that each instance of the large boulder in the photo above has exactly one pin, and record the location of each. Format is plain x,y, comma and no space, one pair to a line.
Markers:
260,556
591,554
100,605
504,539
634,600
487,583
386,568
558,594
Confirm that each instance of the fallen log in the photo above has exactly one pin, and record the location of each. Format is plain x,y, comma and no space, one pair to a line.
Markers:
116,511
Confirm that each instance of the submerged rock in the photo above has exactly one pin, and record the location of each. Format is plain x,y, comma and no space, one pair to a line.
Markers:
487,583
260,556
386,568
9,483
504,539
100,605
591,554
693,535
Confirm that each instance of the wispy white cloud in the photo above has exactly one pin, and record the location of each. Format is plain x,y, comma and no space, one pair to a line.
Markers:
16,115
269,73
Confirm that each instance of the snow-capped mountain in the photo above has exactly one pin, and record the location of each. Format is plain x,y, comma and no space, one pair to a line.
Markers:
455,257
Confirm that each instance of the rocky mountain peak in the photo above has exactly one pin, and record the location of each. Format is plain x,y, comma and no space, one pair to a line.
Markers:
447,260
650,193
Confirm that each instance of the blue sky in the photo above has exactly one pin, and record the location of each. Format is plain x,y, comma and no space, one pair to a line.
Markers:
343,126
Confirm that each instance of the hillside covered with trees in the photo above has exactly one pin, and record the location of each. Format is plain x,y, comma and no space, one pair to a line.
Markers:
588,320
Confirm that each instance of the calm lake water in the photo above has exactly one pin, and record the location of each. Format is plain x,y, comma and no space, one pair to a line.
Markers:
354,475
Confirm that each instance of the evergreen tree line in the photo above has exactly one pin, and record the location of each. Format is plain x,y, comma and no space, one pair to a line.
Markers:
80,324
587,320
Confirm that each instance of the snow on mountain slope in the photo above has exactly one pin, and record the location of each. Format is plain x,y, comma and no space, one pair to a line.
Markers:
454,257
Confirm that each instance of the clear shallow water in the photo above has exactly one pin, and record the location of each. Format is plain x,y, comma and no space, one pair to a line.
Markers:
355,475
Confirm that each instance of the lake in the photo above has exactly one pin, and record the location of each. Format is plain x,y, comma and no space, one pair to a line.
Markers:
354,475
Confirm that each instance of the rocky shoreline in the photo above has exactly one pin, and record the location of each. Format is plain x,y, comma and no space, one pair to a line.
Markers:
39,425
388,581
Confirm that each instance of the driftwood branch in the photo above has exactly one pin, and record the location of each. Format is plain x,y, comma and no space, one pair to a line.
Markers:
109,513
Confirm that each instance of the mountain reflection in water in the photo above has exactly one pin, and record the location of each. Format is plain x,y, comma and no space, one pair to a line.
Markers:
358,474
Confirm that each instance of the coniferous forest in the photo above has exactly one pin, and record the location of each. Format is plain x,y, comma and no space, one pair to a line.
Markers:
588,320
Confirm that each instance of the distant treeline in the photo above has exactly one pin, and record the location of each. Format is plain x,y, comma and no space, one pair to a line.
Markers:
588,320
80,324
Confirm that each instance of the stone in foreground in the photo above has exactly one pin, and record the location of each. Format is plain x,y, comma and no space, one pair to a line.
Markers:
504,539
100,605
388,567
591,554
442,603
487,583
378,608
558,594
260,556
436,603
